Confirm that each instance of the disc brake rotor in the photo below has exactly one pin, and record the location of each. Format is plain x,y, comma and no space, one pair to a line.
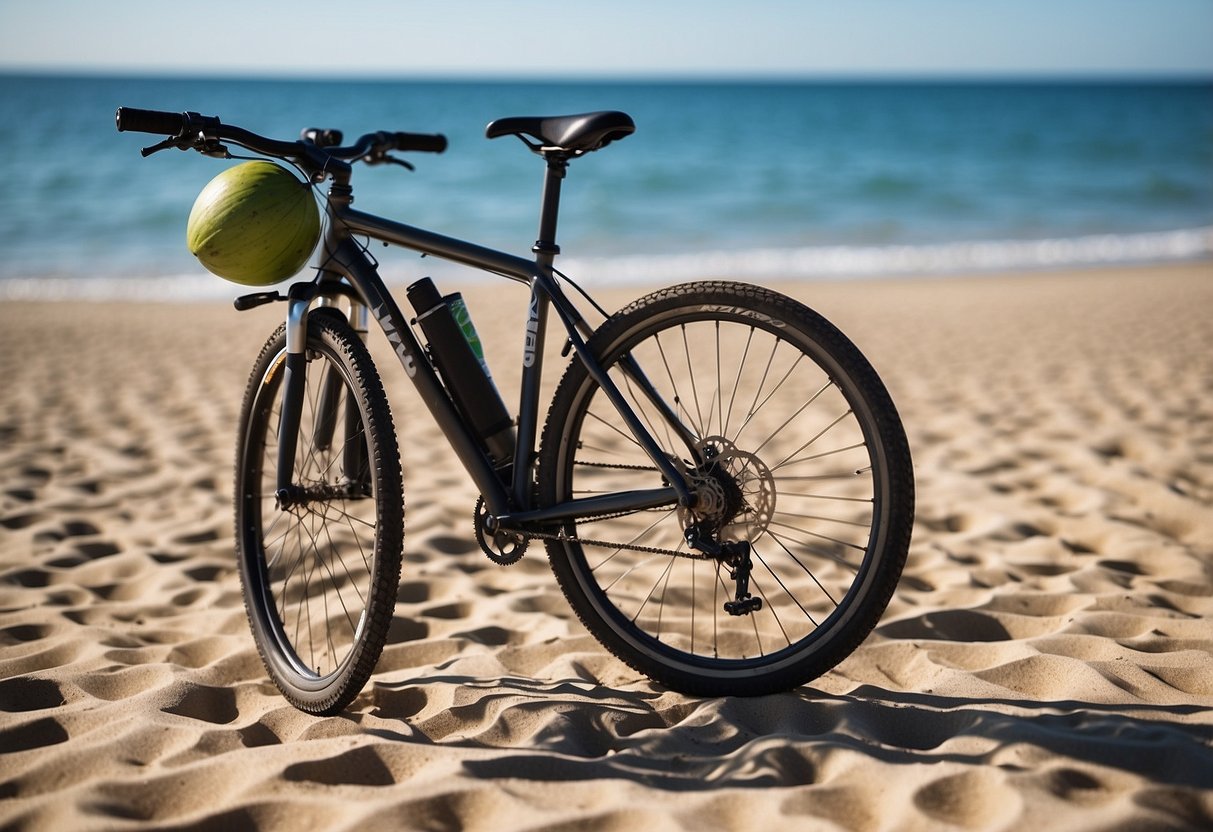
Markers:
735,488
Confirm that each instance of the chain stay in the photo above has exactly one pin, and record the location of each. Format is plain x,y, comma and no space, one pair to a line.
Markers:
634,547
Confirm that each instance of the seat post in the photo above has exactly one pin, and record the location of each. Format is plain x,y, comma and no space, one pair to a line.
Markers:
549,208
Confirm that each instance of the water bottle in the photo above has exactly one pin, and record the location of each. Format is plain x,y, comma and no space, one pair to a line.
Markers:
458,356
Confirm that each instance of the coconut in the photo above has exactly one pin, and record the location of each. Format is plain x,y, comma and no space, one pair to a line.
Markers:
254,224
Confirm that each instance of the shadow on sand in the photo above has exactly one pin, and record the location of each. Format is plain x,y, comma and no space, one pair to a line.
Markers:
572,731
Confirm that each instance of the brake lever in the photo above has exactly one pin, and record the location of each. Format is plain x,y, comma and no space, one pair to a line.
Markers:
393,160
379,157
171,141
205,146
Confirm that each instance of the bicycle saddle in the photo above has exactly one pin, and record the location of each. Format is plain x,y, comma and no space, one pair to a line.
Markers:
574,134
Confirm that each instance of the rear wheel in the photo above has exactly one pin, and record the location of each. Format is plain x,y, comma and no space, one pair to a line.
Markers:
804,479
320,569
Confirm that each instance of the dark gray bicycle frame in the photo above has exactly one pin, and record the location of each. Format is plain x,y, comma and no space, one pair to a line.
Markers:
342,257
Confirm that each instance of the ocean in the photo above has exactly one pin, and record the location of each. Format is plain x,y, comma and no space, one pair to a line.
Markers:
807,180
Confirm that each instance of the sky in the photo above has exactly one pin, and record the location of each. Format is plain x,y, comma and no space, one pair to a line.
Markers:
612,38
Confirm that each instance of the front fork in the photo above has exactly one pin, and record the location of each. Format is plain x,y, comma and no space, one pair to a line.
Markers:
300,297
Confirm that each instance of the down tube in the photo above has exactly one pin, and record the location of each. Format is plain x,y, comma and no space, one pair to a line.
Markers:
363,275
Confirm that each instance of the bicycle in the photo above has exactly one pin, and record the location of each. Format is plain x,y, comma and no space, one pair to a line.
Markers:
722,483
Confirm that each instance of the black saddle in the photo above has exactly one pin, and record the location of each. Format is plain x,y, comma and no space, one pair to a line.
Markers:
573,135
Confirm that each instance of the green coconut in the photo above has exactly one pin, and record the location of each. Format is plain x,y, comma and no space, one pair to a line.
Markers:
254,224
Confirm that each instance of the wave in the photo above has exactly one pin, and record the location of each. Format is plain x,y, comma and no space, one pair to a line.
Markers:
841,262
809,263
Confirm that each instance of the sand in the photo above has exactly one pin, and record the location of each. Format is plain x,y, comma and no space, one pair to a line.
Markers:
1045,663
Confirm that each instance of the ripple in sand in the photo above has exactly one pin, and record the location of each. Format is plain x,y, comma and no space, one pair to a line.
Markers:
21,520
360,767
25,694
971,799
124,683
1045,677
31,735
26,632
203,702
1080,787
417,654
459,609
968,626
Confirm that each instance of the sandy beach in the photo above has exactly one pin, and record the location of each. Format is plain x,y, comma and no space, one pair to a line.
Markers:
1047,662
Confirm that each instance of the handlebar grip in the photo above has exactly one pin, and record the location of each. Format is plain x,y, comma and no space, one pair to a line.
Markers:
420,142
130,119
161,123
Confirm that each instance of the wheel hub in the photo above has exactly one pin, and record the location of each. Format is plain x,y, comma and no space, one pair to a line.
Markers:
323,492
735,491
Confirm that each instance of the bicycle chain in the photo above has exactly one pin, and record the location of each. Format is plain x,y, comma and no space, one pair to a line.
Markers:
635,547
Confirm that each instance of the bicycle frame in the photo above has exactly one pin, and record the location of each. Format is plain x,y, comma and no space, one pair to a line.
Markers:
511,504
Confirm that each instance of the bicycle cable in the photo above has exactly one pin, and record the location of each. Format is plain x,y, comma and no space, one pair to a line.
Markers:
582,292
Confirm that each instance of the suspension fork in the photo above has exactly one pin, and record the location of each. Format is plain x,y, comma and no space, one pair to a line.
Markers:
299,298
329,402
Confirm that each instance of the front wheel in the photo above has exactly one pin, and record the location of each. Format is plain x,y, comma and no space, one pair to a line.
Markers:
320,568
804,480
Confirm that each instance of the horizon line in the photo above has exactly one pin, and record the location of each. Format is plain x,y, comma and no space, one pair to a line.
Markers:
640,77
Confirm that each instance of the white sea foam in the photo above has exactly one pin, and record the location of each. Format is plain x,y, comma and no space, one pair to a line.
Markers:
170,288
810,263
841,262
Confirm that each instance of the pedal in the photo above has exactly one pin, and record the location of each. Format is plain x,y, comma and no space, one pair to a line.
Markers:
743,606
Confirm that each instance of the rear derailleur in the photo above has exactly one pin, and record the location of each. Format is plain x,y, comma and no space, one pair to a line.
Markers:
736,556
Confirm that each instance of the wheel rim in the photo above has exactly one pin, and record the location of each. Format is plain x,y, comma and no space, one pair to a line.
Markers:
311,564
799,445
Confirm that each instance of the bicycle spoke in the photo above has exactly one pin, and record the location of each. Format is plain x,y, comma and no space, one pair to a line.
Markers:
757,407
822,433
812,550
648,595
808,572
787,592
800,516
700,426
638,404
719,398
635,540
724,431
609,426
798,411
790,461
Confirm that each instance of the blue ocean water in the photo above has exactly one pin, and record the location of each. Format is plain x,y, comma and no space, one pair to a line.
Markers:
751,179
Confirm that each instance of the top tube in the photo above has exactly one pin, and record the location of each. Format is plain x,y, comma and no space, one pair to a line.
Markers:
512,266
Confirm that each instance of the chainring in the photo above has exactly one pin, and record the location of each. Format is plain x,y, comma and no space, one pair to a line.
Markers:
502,548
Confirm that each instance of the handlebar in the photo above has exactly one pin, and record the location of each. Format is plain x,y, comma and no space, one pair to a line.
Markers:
204,133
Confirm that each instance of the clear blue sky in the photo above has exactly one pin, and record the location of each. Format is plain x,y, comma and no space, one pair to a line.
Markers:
611,37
